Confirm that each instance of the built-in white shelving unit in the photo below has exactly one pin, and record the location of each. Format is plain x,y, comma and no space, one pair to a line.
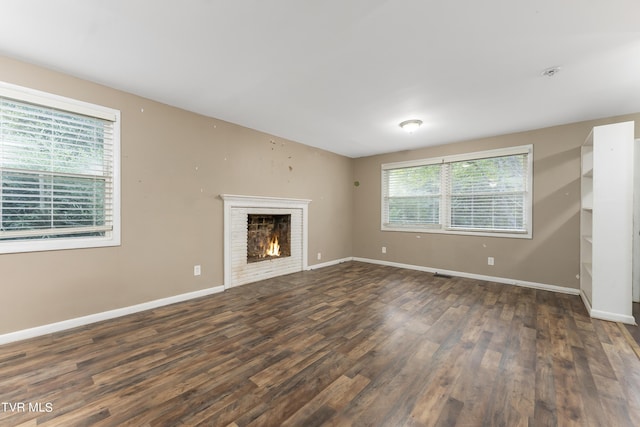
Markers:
607,222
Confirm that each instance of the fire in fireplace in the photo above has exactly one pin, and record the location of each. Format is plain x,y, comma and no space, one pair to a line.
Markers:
268,237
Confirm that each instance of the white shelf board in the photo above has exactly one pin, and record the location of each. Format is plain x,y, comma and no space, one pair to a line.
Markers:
588,267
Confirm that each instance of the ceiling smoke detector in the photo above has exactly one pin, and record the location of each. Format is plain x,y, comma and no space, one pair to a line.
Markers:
550,72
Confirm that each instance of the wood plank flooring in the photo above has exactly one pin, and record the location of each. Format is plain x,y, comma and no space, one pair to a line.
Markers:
353,344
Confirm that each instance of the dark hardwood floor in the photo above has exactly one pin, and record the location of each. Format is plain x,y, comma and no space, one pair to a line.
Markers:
352,344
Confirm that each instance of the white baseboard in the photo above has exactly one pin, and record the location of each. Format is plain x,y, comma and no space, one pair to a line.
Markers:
585,301
329,263
105,315
612,317
605,315
523,283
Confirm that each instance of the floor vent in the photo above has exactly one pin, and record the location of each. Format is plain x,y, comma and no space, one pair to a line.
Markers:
445,276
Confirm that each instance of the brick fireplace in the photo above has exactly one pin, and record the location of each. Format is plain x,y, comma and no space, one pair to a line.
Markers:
264,237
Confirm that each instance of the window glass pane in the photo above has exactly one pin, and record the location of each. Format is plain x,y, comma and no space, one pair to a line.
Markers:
38,138
414,181
489,193
413,195
43,202
414,210
56,173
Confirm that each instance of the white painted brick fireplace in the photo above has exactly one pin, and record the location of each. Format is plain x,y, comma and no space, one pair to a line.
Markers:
237,270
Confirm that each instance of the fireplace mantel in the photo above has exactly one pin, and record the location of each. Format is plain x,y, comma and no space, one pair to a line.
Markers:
238,206
262,201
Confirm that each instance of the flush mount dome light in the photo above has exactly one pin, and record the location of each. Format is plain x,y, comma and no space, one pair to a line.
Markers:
411,125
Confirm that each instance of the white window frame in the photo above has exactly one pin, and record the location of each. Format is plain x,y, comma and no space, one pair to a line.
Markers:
44,99
445,210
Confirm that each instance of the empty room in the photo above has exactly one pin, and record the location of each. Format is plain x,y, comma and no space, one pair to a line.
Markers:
285,213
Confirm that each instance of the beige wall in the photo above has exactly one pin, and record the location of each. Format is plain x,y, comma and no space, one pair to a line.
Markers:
551,257
174,166
176,163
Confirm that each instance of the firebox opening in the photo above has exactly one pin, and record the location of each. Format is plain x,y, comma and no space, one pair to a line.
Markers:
268,237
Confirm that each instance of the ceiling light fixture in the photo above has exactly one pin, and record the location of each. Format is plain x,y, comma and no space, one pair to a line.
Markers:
411,125
550,72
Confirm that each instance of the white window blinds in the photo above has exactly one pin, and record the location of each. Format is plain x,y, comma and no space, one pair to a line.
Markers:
484,192
412,195
56,173
488,194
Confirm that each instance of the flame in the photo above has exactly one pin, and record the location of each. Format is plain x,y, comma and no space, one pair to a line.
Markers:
274,247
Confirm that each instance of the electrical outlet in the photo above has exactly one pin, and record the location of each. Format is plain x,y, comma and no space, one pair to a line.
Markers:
319,256
197,270
490,260
384,249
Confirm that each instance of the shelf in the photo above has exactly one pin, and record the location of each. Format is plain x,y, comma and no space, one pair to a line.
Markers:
588,267
608,158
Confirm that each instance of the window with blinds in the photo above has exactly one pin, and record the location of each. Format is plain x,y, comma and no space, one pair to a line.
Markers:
479,193
412,196
58,172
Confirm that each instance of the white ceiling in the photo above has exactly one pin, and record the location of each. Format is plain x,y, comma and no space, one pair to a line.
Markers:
341,74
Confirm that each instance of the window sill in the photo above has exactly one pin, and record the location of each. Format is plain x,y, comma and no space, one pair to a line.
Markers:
504,234
9,247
